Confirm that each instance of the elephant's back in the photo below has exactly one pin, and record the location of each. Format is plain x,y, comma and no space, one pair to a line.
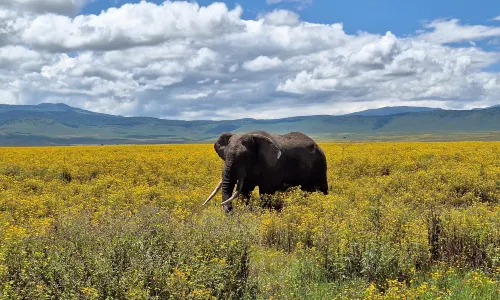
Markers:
305,159
298,140
303,154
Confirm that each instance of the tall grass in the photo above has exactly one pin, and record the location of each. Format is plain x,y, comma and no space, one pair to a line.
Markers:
402,220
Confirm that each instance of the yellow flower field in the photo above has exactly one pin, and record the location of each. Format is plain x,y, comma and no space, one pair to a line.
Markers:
402,220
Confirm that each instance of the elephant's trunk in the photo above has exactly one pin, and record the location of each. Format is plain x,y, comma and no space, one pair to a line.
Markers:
227,186
236,193
233,172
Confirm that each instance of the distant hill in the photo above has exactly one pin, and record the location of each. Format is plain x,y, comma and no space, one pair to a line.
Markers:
391,110
59,124
498,105
45,107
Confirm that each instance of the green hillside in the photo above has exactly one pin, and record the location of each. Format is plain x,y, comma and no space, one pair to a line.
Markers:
59,124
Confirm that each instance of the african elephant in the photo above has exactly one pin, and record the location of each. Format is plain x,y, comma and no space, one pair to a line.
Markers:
271,162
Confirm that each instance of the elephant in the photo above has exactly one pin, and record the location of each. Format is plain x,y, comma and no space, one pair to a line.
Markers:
271,162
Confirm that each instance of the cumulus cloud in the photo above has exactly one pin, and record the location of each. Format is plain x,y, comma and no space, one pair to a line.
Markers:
130,25
378,53
450,31
182,60
64,7
262,63
281,17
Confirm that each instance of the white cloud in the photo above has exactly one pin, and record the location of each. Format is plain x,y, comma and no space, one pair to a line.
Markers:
131,25
64,7
377,53
20,58
192,96
450,31
262,63
233,68
182,60
281,17
8,97
497,18
203,81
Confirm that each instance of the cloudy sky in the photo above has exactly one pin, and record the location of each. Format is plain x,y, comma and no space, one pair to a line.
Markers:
249,58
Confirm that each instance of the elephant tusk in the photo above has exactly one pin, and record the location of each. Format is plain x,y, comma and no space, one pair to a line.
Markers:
236,194
217,188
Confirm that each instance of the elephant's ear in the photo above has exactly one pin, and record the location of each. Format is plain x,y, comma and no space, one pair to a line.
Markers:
268,150
221,143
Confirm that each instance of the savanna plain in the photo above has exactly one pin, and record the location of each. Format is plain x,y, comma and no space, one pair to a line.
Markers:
403,220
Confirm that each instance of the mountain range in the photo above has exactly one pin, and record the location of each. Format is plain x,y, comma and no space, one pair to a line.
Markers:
60,124
391,110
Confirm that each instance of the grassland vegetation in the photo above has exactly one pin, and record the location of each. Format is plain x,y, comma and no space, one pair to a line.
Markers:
402,220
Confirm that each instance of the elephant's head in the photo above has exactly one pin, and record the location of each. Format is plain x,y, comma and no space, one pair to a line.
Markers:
243,153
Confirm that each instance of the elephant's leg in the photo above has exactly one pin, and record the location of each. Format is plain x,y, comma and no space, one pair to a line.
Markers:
307,187
284,187
247,189
268,189
323,185
320,181
316,186
266,192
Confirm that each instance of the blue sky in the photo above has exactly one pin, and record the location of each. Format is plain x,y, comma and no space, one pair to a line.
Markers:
259,59
376,16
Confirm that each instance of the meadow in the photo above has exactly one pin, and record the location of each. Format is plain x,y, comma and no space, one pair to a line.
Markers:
403,220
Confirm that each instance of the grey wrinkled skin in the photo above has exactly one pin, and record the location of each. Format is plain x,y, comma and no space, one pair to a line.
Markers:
253,158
